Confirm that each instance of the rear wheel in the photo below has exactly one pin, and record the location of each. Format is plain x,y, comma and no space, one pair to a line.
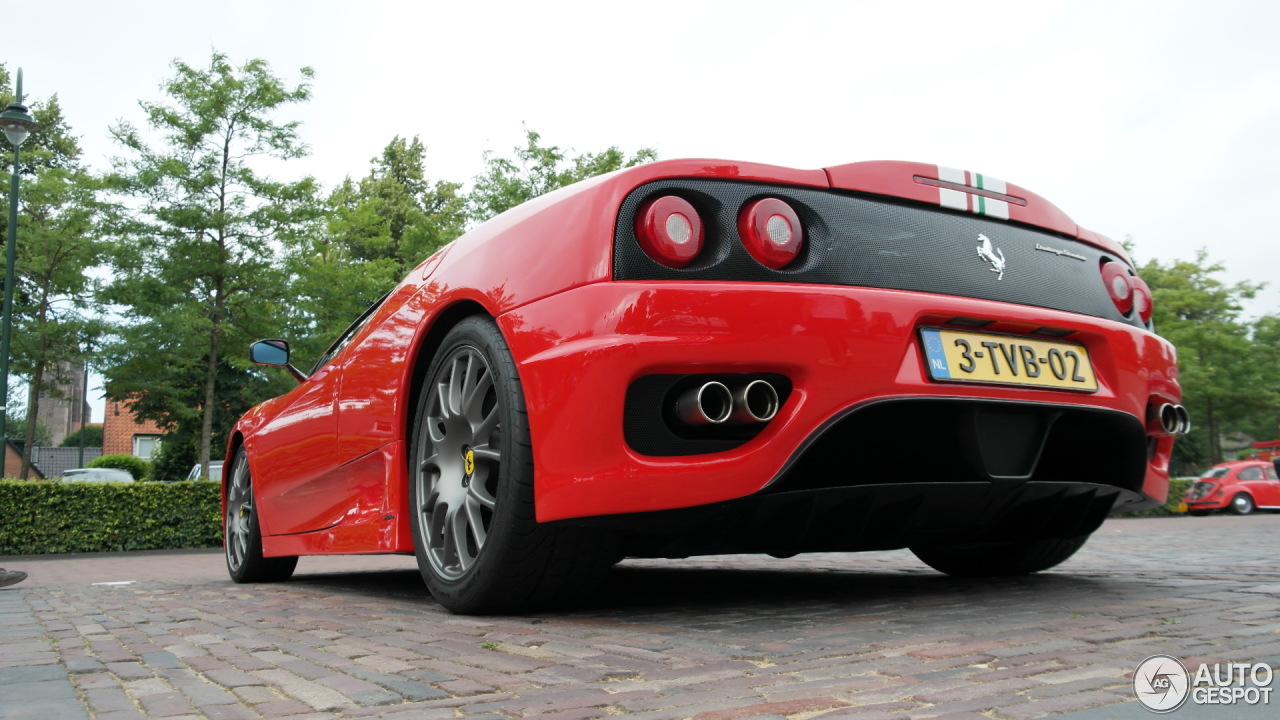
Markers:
242,535
999,558
478,544
1241,504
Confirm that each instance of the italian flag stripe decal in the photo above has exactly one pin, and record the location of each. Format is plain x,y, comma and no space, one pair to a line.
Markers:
970,202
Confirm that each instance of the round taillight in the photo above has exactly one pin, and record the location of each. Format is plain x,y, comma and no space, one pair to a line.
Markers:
1117,279
670,230
1141,298
771,232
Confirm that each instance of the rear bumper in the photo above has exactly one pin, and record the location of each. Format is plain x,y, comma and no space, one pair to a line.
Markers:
843,350
1207,504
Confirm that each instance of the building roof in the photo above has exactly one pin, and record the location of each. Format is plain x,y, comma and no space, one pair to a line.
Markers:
13,459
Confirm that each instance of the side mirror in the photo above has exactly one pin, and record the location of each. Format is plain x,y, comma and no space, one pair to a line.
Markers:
270,352
274,353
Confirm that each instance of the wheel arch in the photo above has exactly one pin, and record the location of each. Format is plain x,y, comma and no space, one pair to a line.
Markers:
428,345
234,443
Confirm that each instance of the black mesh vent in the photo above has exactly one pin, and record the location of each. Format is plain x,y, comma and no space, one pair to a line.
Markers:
874,242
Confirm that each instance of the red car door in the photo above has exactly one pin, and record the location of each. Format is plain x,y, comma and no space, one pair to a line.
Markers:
300,484
292,460
1268,490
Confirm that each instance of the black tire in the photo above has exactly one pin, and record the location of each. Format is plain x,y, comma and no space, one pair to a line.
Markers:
1242,504
242,537
478,545
999,558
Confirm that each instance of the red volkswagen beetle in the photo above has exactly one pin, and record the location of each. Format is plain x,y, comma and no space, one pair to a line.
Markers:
702,357
1240,487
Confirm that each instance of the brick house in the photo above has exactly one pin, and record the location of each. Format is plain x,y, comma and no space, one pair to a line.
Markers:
13,462
124,434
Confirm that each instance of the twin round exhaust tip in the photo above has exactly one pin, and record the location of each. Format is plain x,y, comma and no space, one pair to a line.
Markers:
1170,419
713,403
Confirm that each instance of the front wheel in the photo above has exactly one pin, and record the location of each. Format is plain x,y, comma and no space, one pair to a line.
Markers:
242,535
999,558
1241,504
478,544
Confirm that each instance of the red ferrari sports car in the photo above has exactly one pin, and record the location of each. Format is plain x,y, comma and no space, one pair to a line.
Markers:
1240,487
701,357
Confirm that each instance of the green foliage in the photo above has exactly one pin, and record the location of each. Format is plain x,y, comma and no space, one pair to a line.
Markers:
52,146
536,170
1177,488
1230,381
196,268
92,437
16,427
56,517
403,216
374,232
55,322
136,466
181,449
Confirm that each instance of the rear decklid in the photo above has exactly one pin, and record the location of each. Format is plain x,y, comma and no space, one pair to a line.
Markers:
965,191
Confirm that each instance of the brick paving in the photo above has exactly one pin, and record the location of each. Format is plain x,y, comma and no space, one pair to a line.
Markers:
872,636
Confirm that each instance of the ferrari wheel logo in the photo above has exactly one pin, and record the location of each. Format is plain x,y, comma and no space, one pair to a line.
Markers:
469,462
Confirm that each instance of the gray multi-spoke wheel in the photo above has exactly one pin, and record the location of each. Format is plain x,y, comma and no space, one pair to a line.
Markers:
478,543
457,479
242,537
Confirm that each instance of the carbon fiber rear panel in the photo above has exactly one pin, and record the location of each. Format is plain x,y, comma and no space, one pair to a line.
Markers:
869,241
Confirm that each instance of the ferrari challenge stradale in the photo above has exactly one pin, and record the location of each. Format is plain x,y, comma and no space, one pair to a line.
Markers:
702,357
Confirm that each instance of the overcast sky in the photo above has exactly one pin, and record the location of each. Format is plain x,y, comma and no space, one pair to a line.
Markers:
1152,120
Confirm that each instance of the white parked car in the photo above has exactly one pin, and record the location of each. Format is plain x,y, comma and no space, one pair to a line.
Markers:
215,471
97,475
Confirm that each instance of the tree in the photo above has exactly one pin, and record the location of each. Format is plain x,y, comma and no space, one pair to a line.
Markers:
536,170
92,437
1229,383
375,230
195,265
239,388
53,320
415,217
16,426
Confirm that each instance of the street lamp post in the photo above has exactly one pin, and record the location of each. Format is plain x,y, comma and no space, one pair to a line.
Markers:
17,124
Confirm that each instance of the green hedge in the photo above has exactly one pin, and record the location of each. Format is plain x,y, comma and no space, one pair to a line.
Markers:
68,517
1177,488
136,466
56,517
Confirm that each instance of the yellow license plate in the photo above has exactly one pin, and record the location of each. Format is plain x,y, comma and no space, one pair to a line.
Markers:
954,356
